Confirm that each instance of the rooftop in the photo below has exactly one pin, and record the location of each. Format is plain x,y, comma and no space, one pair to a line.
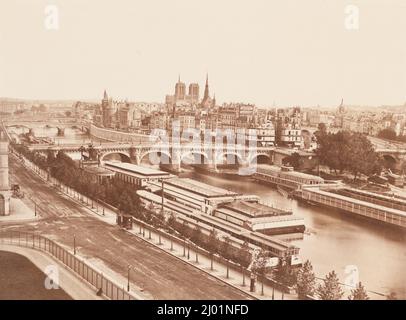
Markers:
132,168
264,167
98,170
199,187
254,209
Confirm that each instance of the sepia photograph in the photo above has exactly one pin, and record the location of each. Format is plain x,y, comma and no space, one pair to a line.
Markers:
199,151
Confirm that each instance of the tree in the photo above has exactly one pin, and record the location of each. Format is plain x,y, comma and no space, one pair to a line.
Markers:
225,247
348,151
362,157
184,229
212,241
50,158
285,274
332,149
172,220
387,133
196,235
306,280
330,289
259,263
359,293
322,127
293,160
245,254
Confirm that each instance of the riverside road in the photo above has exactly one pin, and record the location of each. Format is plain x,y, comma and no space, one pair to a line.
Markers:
155,274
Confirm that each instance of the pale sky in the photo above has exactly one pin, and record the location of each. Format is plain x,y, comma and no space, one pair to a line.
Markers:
260,51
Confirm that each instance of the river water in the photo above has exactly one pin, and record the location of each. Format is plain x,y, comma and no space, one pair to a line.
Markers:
333,241
337,241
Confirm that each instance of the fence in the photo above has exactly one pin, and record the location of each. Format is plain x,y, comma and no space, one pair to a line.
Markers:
92,277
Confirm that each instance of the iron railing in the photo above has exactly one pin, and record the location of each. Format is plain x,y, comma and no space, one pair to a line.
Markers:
107,287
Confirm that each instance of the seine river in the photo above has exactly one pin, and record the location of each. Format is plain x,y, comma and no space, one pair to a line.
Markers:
336,240
333,241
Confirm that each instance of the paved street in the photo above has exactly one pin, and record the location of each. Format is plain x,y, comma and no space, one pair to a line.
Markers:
155,274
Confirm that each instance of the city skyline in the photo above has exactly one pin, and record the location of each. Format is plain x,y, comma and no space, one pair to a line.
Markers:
264,52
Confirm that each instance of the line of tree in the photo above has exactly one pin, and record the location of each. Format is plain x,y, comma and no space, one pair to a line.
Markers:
348,151
330,288
212,243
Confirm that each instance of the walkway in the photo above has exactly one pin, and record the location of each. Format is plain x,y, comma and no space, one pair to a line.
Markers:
71,284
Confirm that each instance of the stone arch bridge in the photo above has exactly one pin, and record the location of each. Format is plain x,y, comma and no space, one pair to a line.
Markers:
167,154
31,128
394,158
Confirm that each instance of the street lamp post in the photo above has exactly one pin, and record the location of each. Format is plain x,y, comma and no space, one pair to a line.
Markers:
128,278
162,203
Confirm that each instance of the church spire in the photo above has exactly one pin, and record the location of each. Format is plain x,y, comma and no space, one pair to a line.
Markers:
105,97
206,89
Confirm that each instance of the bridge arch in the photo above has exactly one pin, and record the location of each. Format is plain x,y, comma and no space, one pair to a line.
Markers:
260,158
124,156
195,153
159,152
222,158
389,161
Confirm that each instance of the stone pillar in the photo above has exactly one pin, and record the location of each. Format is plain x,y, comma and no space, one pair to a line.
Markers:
134,156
